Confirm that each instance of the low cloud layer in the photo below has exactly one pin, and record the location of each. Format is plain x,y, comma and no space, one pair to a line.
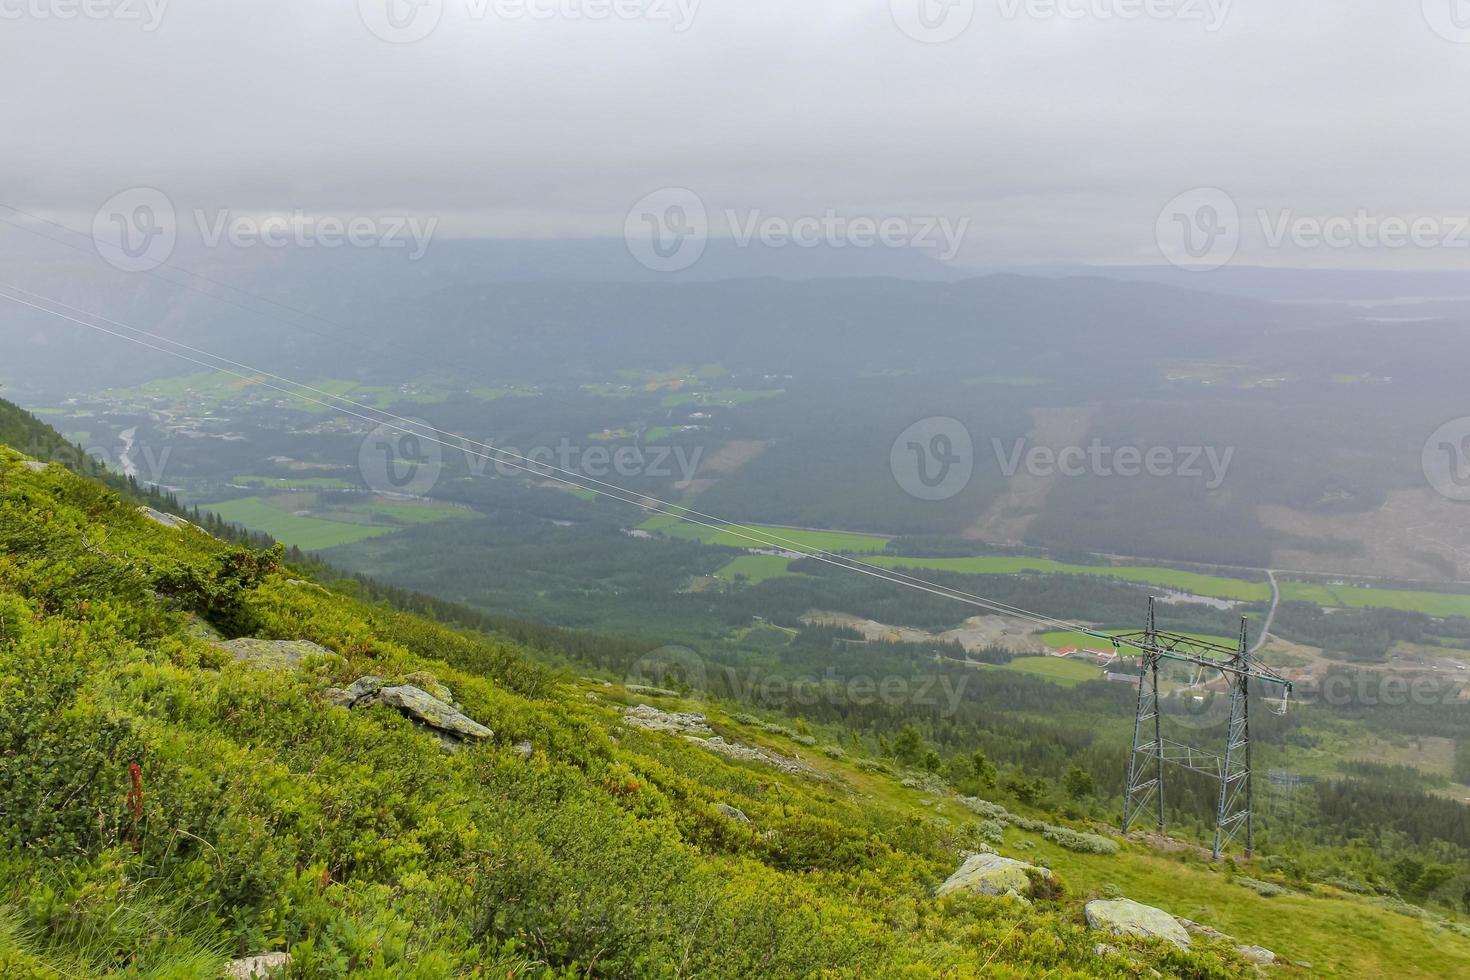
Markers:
1054,130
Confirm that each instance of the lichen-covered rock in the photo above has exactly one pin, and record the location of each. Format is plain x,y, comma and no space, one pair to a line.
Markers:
1124,917
360,690
425,681
423,706
733,813
166,520
991,874
746,753
671,722
257,967
524,749
273,654
34,465
1259,955
1198,929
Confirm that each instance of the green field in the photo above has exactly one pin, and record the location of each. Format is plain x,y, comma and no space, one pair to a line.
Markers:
1430,603
293,483
1057,639
1068,673
1217,586
739,536
756,568
307,533
329,526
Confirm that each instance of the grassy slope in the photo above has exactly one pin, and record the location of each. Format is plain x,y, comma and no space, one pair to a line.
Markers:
270,820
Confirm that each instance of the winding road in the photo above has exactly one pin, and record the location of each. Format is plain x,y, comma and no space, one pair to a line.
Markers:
1271,615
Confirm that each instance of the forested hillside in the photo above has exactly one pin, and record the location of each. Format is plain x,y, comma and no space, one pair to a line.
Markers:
206,755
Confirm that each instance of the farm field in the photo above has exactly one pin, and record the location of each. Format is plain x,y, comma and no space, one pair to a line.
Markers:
1068,673
1356,597
1217,586
1059,639
756,568
293,483
299,519
733,536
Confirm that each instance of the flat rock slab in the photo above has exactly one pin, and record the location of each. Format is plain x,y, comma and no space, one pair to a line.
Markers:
167,520
273,654
672,722
1259,955
424,707
991,874
257,967
746,753
1124,917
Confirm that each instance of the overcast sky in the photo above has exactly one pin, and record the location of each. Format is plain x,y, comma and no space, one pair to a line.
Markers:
1058,133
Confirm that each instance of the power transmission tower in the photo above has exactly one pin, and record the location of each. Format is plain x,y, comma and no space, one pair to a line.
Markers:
1234,809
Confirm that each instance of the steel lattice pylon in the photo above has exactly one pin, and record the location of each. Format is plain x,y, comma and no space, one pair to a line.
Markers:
1234,811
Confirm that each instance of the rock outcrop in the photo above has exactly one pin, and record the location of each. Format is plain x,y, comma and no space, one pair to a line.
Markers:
670,722
1124,917
273,654
746,753
1259,955
991,874
429,710
257,967
166,520
734,813
439,715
